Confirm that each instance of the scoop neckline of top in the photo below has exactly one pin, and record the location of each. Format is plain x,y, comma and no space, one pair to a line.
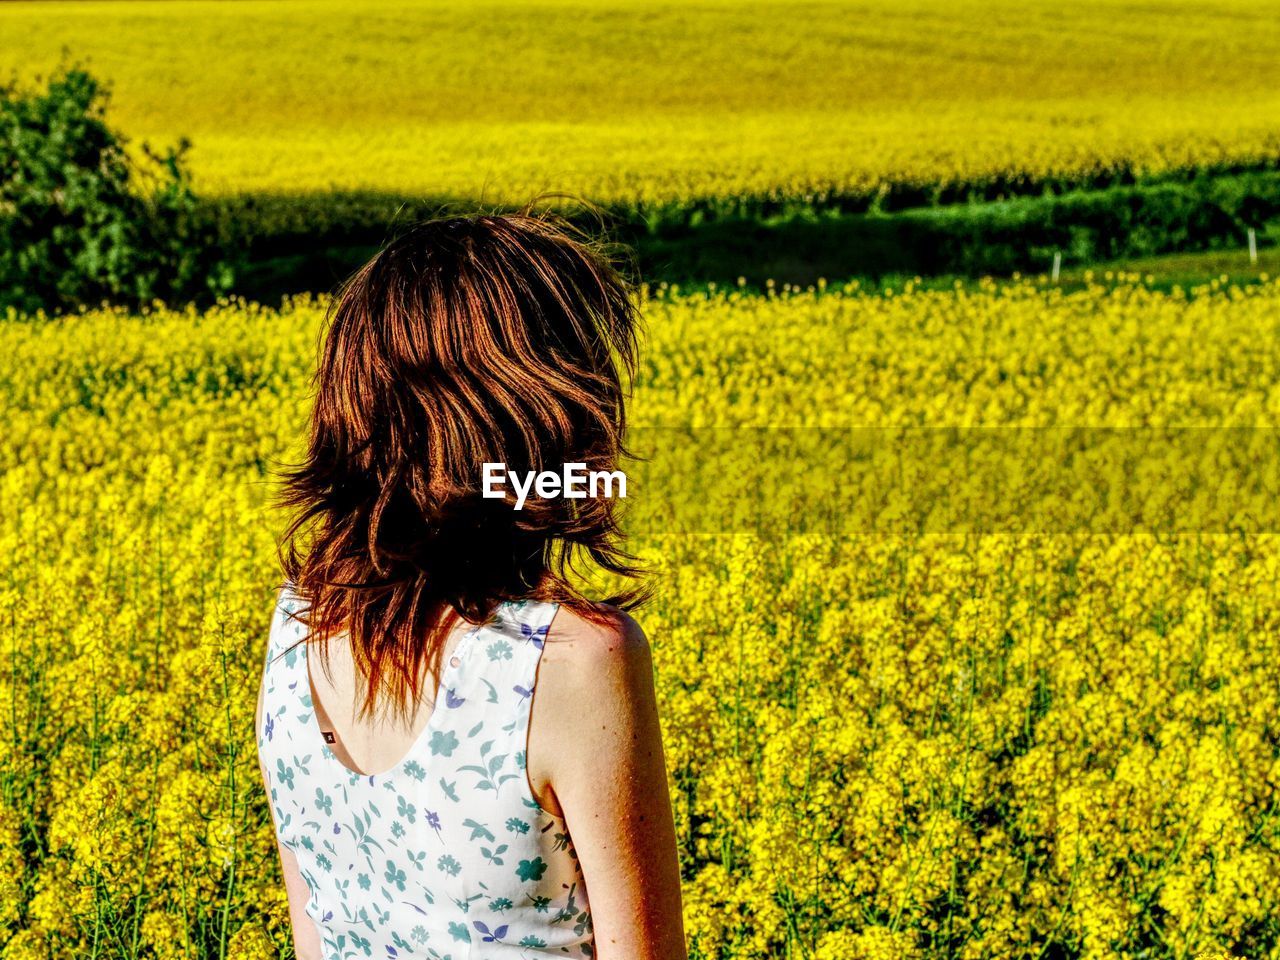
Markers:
450,671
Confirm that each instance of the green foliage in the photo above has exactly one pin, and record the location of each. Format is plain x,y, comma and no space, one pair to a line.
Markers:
81,223
309,242
1094,226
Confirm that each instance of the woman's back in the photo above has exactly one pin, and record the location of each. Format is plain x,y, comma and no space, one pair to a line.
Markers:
468,343
447,854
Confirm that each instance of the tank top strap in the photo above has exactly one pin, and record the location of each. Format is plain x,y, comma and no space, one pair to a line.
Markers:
531,620
286,689
493,684
285,630
523,626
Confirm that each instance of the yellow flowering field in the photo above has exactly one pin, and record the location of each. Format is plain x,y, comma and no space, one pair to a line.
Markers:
645,100
940,744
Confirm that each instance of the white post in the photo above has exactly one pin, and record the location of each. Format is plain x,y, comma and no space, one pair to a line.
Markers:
1057,264
1253,247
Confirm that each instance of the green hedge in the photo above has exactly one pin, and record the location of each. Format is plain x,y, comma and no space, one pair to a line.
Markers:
1087,227
297,243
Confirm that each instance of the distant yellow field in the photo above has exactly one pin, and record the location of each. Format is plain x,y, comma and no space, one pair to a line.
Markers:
639,99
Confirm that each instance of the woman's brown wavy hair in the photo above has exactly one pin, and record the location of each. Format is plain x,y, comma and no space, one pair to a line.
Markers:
467,340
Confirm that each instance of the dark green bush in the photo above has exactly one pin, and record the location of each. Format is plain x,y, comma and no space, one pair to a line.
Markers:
310,242
81,223
1091,226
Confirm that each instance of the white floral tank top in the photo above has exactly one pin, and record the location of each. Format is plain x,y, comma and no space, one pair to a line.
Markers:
446,856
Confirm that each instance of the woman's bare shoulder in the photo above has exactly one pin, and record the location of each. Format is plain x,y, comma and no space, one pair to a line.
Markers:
595,689
601,638
590,656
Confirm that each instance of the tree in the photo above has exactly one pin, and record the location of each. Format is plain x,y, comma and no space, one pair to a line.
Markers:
81,223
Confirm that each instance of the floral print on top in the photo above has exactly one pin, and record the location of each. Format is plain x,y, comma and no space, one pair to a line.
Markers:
447,855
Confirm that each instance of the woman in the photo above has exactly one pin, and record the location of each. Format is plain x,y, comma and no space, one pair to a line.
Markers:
462,752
